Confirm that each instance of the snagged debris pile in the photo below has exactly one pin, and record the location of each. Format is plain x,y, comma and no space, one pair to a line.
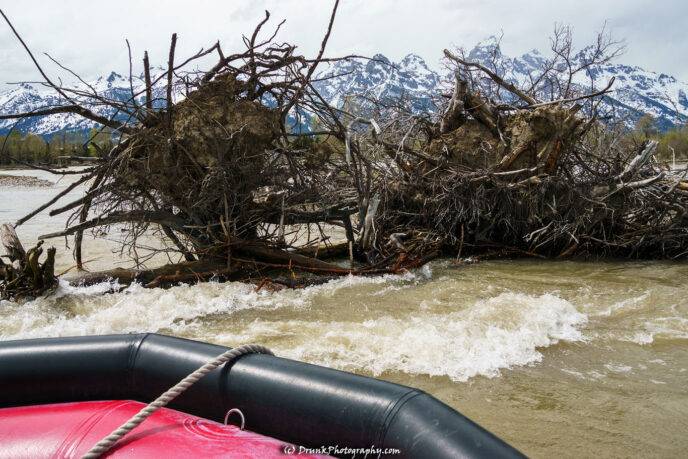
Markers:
233,180
527,178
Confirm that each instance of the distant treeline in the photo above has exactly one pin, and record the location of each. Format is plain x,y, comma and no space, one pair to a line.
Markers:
36,149
673,143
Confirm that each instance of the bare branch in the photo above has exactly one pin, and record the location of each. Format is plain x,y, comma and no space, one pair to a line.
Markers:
496,78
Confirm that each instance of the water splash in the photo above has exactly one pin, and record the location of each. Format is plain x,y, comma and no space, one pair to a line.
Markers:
491,335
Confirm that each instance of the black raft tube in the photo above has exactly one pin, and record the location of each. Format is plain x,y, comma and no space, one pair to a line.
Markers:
293,401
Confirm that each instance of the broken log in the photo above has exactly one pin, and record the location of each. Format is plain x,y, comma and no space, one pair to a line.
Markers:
25,276
326,252
10,242
270,255
184,272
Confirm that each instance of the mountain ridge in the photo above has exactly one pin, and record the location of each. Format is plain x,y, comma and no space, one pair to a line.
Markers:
636,91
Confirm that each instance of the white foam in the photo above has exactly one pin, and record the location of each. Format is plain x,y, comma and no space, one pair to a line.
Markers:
76,311
618,368
574,373
660,327
66,289
86,311
640,337
634,302
483,338
491,335
596,374
668,327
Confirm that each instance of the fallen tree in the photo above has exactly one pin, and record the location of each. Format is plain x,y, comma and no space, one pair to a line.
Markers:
533,212
521,171
233,182
218,173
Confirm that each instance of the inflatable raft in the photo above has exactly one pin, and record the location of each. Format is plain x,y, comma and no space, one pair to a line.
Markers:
60,396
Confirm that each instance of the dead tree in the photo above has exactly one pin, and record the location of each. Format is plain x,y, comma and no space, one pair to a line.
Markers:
218,172
524,170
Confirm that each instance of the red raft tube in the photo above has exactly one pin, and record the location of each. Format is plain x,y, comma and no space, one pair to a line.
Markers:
60,397
67,430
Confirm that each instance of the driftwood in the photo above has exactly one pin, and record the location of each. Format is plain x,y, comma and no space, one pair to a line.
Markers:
24,275
187,272
311,270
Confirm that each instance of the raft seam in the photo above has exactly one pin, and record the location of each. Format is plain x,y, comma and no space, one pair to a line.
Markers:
134,348
392,412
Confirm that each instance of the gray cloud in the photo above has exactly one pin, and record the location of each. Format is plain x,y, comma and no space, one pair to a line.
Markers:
89,36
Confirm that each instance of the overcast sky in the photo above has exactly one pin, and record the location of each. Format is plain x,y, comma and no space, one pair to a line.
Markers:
88,36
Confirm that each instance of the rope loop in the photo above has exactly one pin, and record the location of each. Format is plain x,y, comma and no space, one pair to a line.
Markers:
173,392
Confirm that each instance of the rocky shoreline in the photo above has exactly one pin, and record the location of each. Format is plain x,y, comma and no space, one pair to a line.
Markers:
23,181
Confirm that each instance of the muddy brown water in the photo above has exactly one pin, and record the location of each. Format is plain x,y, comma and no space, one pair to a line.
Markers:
563,358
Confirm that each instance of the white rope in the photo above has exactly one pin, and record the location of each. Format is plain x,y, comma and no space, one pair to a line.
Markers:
106,443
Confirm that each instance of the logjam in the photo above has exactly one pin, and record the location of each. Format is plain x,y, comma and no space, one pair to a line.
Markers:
220,165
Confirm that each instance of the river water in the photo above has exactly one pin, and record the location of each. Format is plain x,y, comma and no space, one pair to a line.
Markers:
562,358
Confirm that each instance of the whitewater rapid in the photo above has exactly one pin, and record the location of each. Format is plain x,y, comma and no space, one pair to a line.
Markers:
482,336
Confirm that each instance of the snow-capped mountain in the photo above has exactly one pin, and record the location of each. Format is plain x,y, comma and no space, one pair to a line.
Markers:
636,91
27,97
380,79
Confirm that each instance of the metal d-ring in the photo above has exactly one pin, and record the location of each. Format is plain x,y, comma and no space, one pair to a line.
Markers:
241,415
